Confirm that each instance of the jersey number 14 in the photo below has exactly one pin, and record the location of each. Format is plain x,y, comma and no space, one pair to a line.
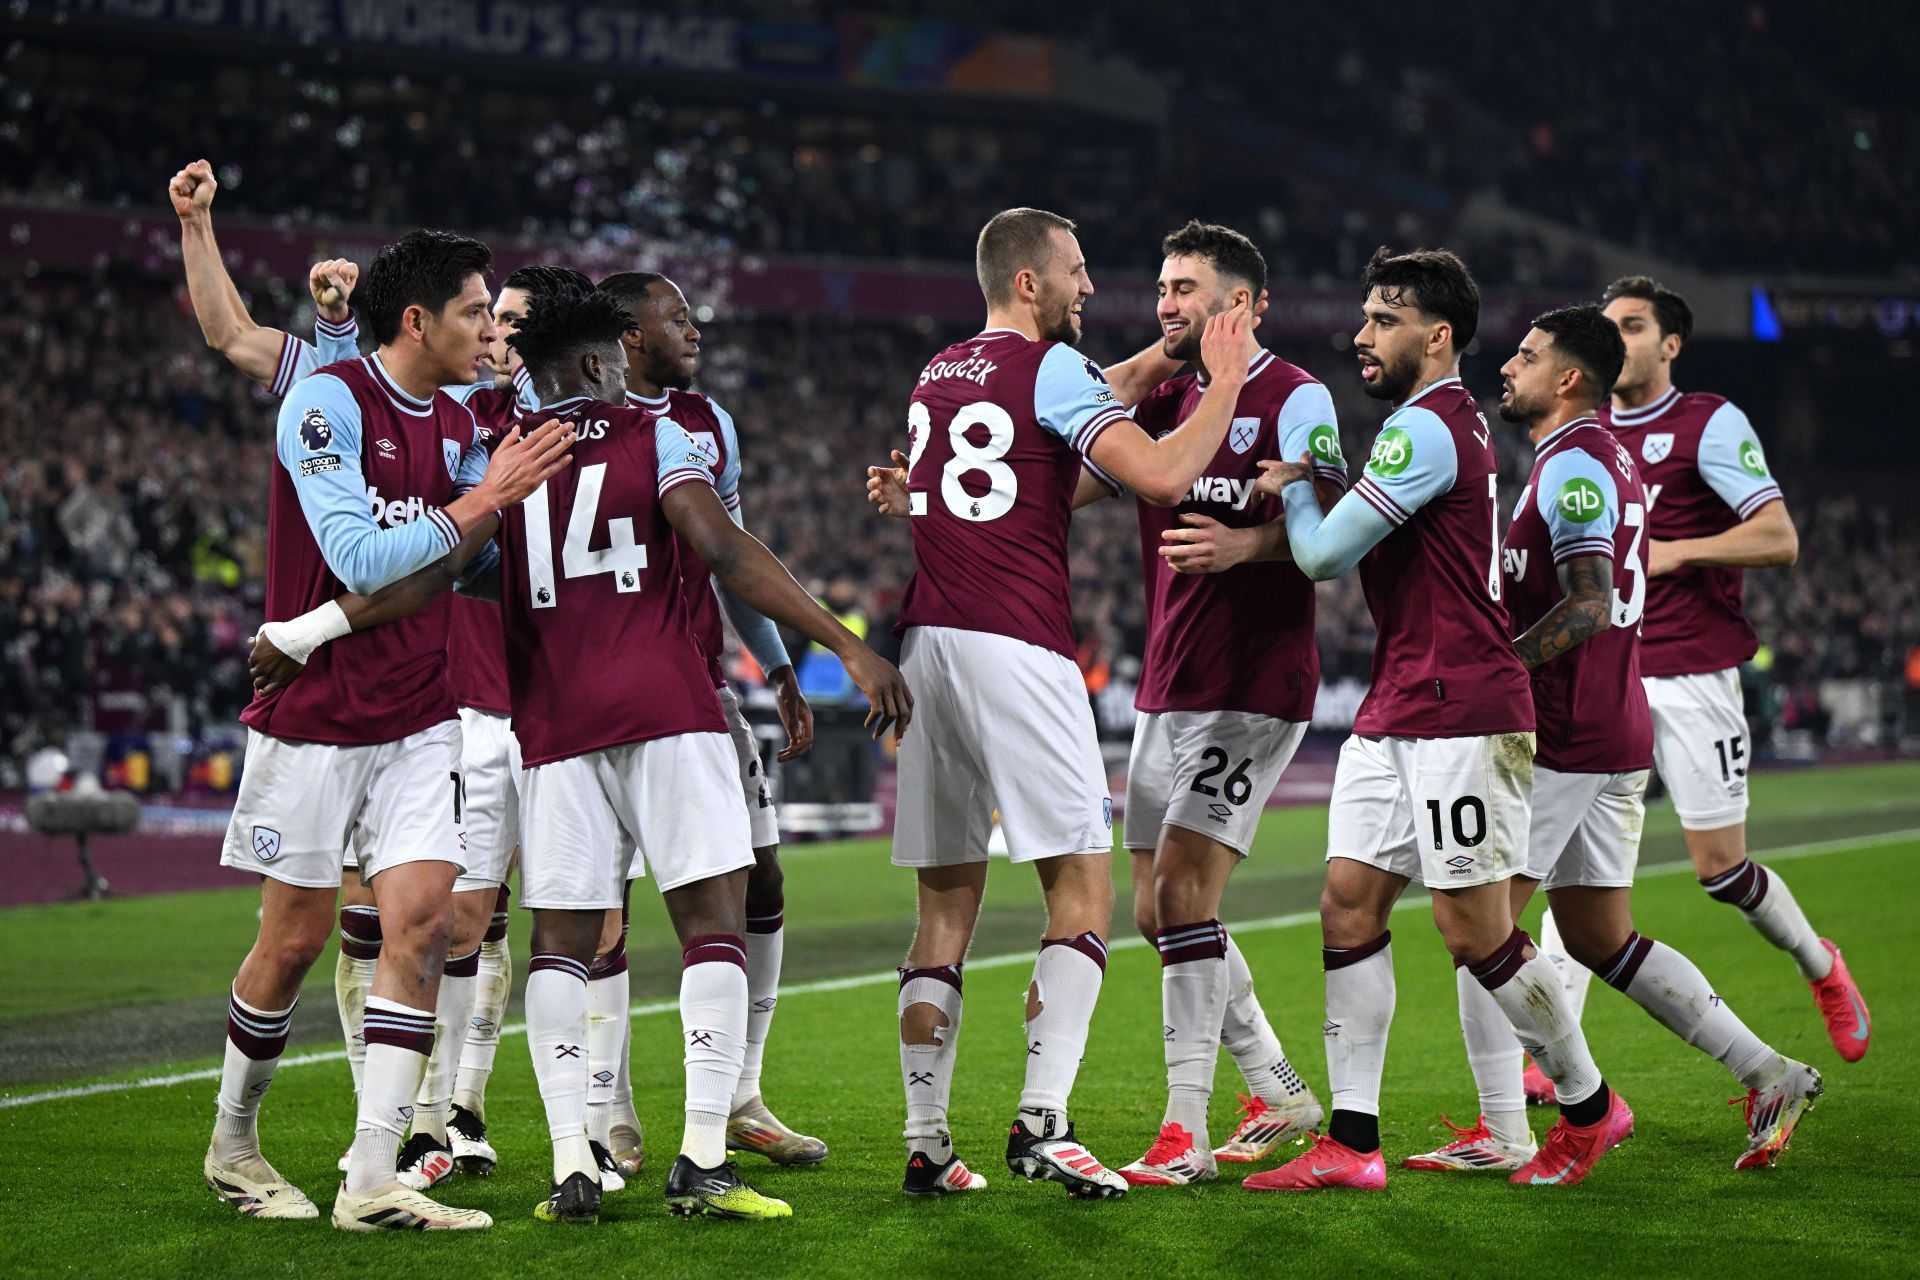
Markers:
623,557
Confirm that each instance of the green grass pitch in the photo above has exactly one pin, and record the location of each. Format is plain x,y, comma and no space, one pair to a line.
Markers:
108,1182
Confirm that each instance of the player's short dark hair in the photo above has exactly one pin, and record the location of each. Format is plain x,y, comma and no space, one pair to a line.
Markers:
1584,338
565,322
1014,240
1232,254
1670,310
631,287
542,277
1433,282
421,269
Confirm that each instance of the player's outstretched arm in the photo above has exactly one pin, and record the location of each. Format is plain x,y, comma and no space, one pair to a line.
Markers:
760,635
1162,471
1582,613
224,320
1764,540
758,579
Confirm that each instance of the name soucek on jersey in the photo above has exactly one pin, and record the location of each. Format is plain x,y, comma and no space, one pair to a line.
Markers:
1705,472
1443,660
1584,498
356,503
999,424
599,653
1241,640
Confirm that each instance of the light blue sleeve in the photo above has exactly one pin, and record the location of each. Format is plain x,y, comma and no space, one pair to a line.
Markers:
1328,546
1071,398
473,461
1580,503
1308,425
1413,462
336,342
680,458
728,483
1733,464
318,442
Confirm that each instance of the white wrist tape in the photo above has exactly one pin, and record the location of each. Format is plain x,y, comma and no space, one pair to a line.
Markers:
299,637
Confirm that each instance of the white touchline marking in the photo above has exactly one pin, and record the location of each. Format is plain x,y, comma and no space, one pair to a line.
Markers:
1413,898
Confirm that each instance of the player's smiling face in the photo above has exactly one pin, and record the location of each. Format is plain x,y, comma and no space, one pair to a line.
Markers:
508,310
1061,290
1646,349
1527,381
669,338
1389,346
458,339
1190,292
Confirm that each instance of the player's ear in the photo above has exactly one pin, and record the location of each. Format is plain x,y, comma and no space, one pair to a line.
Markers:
1670,346
590,366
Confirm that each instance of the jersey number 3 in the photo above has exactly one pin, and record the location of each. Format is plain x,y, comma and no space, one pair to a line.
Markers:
987,460
623,557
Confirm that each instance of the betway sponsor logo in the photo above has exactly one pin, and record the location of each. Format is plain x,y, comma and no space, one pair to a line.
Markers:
1235,493
397,512
972,369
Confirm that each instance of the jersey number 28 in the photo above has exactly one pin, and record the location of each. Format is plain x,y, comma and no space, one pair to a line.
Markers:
1003,486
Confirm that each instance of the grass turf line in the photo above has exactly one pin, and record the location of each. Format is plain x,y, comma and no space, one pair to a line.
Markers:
110,1183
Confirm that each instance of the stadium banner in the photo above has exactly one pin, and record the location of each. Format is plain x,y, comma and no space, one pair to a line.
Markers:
72,238
888,53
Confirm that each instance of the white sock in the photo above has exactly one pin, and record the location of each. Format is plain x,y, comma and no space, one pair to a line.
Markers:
1066,985
1574,976
256,1039
360,942
1193,1000
622,1105
713,1017
1669,986
399,1039
490,991
1769,906
1493,1054
608,1020
1248,1036
926,1070
765,948
452,1011
1360,999
557,1038
1530,994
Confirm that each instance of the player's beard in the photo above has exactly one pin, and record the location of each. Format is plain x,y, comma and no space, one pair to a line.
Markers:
1188,346
1516,410
1396,380
1060,327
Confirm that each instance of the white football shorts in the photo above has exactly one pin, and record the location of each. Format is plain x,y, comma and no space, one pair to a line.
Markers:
753,777
1206,771
674,802
1586,827
303,805
998,724
1700,746
490,772
1448,812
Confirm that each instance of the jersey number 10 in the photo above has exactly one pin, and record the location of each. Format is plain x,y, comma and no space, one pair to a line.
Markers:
623,557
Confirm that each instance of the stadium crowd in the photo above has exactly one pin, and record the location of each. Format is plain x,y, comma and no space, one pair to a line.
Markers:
1793,157
133,494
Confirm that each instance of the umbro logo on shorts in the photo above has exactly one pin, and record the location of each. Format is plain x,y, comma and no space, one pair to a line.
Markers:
1460,863
266,843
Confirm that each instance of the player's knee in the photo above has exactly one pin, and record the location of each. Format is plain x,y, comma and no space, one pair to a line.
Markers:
1347,920
294,949
612,926
419,929
921,1023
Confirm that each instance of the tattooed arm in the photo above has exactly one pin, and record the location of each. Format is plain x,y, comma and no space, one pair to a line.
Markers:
1584,612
